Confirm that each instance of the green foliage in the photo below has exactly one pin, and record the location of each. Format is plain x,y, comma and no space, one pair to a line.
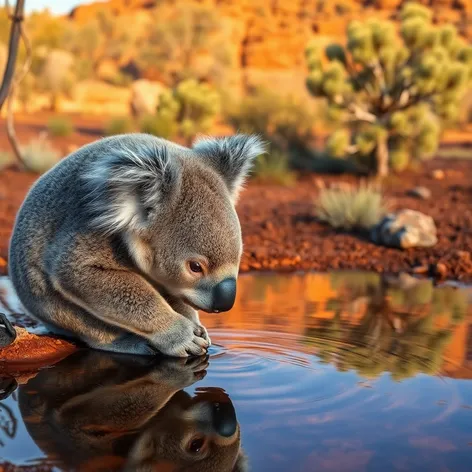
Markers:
161,125
189,109
273,168
118,125
46,29
39,155
60,126
284,121
414,10
351,208
407,85
337,143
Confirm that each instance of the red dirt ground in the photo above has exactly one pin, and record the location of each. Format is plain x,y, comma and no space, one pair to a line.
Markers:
281,231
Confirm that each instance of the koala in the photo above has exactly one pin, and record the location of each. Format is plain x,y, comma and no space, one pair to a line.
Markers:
112,412
122,242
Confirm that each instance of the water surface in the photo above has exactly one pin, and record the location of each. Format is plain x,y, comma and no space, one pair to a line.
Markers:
336,372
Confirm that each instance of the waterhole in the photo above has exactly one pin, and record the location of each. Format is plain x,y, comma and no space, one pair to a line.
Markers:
317,372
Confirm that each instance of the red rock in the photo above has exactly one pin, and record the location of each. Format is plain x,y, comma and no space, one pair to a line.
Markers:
30,352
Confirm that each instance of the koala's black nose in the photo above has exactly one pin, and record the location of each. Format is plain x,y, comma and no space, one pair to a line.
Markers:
224,295
224,419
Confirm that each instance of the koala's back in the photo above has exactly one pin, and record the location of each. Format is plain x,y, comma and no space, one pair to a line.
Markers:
53,214
51,209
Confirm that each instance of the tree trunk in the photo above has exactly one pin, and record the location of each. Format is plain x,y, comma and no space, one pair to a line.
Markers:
382,157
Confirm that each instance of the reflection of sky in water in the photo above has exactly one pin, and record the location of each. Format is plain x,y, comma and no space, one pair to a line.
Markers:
21,449
297,419
300,414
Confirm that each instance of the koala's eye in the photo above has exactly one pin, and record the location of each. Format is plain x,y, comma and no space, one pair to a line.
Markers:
195,267
196,445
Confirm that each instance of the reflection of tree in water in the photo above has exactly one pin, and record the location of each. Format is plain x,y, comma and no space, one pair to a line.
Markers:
8,422
404,327
38,467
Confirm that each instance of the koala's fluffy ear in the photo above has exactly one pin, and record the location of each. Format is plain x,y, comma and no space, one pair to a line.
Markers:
231,157
125,187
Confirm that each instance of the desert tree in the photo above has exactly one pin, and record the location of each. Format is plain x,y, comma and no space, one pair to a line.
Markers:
185,42
56,75
392,91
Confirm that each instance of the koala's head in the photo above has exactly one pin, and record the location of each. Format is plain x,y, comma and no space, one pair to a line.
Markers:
174,209
199,433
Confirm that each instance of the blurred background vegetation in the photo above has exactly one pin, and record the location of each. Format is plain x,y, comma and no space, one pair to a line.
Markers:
351,85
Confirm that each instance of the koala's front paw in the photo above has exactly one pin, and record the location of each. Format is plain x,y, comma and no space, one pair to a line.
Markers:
182,373
185,339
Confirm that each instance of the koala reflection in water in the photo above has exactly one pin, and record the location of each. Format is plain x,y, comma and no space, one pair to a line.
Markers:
108,412
122,241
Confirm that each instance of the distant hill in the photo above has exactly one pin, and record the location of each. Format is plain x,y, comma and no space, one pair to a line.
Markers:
273,33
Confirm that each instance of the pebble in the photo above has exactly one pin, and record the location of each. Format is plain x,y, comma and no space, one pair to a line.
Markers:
422,193
463,255
438,270
422,269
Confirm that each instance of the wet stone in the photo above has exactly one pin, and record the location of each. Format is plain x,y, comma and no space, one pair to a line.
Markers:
405,229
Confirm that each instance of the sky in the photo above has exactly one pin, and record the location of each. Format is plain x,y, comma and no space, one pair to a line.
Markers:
56,6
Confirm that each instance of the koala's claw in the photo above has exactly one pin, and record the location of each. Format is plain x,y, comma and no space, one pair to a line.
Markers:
203,333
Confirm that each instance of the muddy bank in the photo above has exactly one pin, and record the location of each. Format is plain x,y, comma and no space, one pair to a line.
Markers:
281,231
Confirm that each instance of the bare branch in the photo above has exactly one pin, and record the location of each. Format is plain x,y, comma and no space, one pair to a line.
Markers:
361,115
17,80
15,34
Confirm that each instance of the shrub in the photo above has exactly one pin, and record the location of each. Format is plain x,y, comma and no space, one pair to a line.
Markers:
393,92
273,168
283,120
39,155
161,126
118,125
351,208
60,126
189,109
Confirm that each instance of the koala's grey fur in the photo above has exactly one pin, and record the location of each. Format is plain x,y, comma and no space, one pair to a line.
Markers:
101,241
